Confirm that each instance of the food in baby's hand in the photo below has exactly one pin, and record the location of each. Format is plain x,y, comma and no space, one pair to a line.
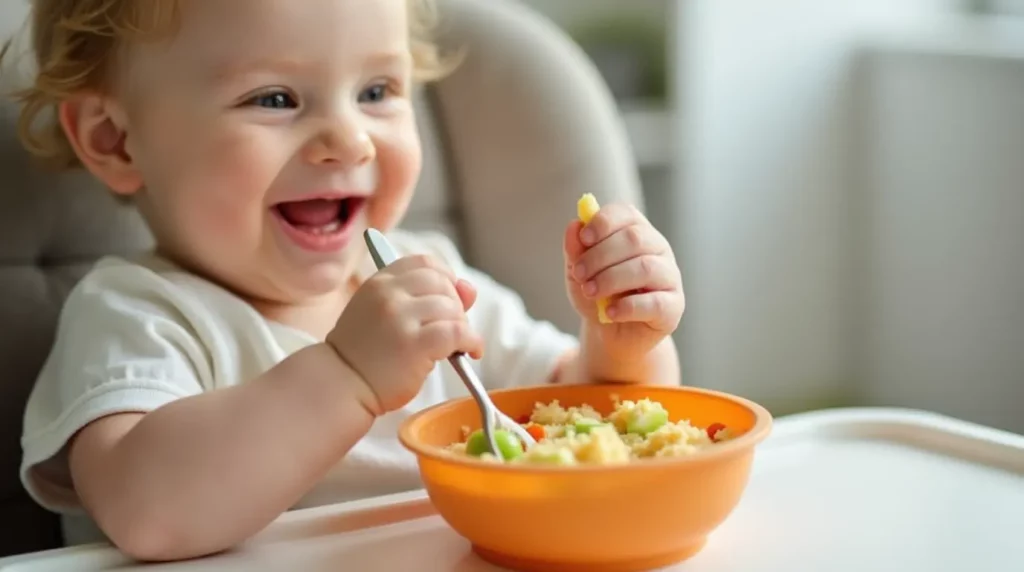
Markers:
633,431
586,209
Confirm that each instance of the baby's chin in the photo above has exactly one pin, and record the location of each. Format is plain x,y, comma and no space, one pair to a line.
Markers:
318,281
279,285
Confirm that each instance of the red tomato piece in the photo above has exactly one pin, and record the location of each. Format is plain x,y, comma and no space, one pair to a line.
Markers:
535,431
713,430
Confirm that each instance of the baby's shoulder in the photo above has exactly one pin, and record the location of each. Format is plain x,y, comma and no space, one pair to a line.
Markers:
142,284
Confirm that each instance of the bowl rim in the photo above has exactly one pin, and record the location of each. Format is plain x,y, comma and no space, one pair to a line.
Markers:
762,427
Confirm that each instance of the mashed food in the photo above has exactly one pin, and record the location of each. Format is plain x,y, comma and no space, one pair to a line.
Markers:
580,435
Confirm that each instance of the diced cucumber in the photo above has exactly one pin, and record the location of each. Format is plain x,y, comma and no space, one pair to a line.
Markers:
509,445
644,422
555,457
585,424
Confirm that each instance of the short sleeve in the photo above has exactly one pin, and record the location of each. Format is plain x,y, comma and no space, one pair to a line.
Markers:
120,347
519,350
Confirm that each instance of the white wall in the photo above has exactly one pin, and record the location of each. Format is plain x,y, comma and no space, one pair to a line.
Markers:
765,177
942,224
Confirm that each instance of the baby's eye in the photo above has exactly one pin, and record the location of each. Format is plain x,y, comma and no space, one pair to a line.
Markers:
375,93
274,100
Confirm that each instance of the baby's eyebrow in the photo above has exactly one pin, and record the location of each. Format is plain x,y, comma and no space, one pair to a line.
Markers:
228,72
403,58
231,70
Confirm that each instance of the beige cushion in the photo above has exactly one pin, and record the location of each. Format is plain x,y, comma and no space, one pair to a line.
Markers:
510,141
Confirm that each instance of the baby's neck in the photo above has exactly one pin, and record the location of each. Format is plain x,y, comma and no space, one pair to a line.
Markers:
316,317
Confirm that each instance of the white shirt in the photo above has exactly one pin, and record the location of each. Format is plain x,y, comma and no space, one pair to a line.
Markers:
136,335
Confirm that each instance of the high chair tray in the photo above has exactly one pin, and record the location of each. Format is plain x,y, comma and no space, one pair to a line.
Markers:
839,490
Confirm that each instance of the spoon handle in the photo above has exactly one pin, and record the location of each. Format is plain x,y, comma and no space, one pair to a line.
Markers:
380,249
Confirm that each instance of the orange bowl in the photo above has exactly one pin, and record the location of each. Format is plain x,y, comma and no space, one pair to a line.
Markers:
637,516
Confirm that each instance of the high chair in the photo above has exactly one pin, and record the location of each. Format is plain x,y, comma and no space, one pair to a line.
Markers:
511,140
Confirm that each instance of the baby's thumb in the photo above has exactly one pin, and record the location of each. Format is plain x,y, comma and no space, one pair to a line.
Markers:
572,247
467,293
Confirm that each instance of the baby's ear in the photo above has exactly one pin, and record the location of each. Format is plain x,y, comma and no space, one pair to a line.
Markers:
95,127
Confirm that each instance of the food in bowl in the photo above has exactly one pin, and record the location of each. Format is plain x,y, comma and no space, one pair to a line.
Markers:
526,516
575,435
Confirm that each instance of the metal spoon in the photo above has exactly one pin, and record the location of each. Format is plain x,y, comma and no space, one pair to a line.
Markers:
383,254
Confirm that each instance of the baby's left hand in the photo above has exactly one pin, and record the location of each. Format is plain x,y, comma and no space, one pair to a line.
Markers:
619,255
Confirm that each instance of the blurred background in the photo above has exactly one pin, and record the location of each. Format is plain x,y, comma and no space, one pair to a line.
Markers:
843,183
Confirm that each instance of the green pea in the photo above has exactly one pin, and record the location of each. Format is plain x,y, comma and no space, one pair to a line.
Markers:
642,423
509,446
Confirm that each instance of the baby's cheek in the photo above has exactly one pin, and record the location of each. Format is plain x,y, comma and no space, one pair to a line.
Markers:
399,159
241,169
227,182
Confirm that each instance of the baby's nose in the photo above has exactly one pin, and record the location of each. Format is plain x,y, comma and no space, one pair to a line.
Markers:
343,143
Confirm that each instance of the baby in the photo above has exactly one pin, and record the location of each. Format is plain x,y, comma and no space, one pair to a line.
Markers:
256,362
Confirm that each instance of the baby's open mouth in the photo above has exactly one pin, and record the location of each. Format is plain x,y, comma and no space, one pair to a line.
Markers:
319,216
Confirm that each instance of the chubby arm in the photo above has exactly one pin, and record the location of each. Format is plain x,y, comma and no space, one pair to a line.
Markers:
203,473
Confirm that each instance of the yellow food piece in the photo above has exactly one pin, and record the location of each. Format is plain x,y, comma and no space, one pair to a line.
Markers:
586,208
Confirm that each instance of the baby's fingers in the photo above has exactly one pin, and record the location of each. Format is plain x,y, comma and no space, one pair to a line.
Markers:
572,247
466,292
443,327
426,309
422,274
660,310
629,242
427,282
444,337
609,220
418,261
647,272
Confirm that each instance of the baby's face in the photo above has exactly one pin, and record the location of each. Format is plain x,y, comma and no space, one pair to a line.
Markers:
270,134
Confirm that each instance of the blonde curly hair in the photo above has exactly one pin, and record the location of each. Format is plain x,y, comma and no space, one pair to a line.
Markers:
75,43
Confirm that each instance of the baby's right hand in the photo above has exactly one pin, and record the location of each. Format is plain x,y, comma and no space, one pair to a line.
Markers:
400,323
